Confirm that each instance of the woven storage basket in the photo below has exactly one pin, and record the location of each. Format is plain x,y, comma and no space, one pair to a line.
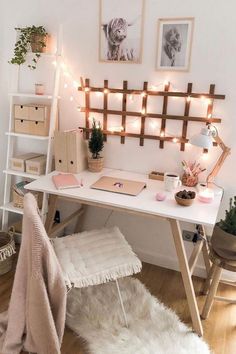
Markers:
18,200
7,249
95,165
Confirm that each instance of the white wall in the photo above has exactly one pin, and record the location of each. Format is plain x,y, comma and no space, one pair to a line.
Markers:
213,61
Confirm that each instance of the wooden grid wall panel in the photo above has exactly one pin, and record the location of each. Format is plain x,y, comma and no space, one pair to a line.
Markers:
143,113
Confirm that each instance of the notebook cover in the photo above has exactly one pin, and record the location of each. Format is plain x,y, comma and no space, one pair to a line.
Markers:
119,185
63,181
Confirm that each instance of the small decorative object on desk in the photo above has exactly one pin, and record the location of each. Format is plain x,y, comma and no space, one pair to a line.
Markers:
223,239
191,173
39,89
156,175
171,181
7,249
206,195
96,144
185,198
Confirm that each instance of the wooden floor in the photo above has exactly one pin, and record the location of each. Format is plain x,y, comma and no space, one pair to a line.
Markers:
167,286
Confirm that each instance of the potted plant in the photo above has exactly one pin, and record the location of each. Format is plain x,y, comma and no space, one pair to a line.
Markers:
224,234
96,144
33,38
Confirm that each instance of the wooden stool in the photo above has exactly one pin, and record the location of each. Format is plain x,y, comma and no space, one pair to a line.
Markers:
213,279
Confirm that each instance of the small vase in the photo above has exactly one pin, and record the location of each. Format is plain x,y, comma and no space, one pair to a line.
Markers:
189,181
95,165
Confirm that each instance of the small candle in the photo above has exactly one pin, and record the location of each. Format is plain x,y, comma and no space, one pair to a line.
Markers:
206,196
39,89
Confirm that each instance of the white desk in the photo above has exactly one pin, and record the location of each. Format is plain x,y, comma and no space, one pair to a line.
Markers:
145,204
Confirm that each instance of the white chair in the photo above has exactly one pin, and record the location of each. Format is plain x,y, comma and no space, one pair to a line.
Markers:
96,257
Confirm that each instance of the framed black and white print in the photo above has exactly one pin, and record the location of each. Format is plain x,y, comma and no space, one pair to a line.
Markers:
121,31
174,44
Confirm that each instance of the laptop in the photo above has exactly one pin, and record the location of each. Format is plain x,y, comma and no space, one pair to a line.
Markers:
119,185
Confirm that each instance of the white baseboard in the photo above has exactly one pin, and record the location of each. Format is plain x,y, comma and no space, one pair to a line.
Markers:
172,263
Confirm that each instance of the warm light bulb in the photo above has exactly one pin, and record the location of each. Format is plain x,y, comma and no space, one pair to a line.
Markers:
175,140
162,134
86,89
79,108
65,85
143,94
208,101
143,111
105,91
122,129
166,82
188,98
209,116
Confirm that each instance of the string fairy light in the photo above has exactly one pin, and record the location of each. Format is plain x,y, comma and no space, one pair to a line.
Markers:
136,122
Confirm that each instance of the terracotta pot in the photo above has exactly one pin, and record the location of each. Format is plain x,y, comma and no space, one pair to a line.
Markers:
35,44
95,165
223,243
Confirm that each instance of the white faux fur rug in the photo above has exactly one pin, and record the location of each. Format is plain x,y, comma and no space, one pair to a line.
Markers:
94,313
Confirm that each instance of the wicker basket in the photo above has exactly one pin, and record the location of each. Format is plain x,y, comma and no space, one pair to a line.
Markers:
18,200
95,165
7,249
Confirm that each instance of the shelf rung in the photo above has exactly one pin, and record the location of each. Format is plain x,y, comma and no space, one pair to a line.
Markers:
11,208
21,174
27,136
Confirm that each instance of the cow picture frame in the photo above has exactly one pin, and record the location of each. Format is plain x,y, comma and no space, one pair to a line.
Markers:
174,43
121,31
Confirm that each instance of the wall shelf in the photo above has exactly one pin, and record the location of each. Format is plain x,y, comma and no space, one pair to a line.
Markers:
27,136
21,174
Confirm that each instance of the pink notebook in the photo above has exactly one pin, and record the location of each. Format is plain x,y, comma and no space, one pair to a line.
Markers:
67,180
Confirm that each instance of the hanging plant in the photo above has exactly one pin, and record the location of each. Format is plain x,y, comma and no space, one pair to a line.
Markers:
33,38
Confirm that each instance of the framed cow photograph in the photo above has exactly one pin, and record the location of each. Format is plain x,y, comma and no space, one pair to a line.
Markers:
174,44
121,31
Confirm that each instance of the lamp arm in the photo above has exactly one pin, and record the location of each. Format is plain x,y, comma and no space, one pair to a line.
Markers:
225,152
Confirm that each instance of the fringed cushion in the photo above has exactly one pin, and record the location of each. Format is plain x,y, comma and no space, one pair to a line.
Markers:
95,257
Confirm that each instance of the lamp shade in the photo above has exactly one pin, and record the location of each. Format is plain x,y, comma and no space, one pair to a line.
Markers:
202,139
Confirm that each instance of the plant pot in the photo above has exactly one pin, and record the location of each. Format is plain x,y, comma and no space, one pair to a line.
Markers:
223,243
36,43
95,165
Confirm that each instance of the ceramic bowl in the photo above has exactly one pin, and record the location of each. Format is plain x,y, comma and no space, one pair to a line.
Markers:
184,202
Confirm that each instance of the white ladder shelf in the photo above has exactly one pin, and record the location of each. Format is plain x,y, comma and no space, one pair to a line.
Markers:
12,137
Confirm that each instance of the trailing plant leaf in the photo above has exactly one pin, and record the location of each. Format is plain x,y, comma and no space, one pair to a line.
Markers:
22,45
229,223
96,141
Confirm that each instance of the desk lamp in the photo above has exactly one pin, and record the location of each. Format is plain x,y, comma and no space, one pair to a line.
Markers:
205,139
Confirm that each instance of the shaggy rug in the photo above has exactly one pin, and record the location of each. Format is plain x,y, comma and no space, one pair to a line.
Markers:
94,314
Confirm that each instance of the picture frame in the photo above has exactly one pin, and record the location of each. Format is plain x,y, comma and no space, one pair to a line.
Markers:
121,31
174,43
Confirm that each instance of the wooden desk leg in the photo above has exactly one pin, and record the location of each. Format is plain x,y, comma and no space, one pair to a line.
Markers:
186,276
51,212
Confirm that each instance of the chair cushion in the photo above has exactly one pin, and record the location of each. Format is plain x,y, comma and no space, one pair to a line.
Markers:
95,257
